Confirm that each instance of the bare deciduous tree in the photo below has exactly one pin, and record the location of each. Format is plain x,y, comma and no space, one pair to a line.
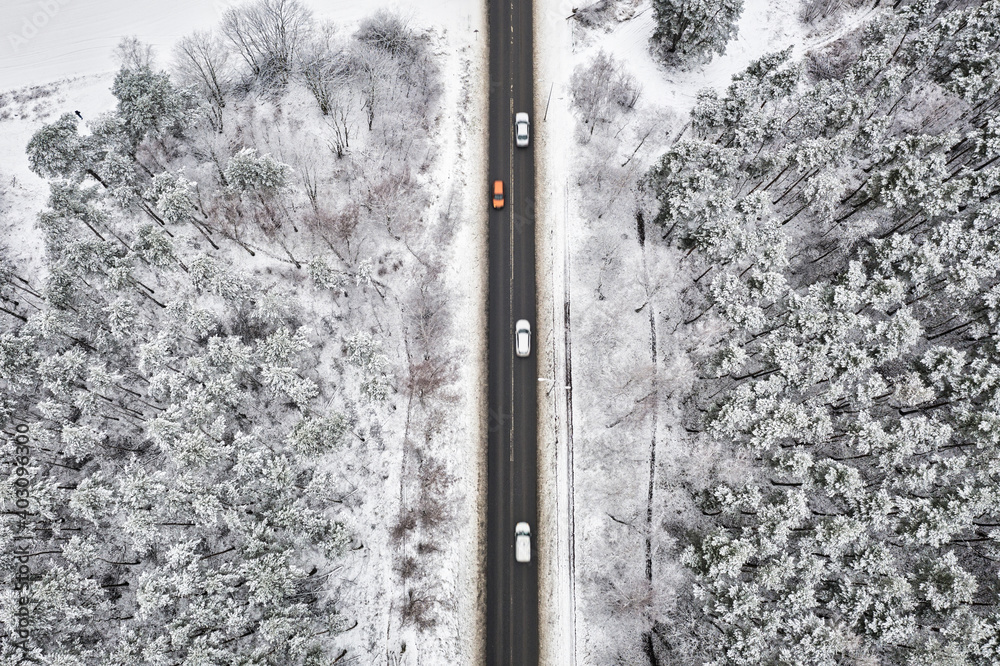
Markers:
375,70
324,67
339,123
133,54
201,60
267,35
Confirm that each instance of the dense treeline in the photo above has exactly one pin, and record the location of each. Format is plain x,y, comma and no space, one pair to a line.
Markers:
172,424
839,219
173,500
174,509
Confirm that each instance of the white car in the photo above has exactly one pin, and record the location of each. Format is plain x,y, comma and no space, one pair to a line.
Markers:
521,129
522,338
522,542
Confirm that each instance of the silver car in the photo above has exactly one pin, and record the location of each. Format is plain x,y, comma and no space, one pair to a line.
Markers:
521,129
522,542
522,337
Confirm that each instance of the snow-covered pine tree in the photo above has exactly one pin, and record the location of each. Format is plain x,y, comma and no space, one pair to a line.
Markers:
148,103
248,172
58,150
862,377
692,31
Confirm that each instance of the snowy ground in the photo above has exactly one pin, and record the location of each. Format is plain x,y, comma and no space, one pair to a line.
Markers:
597,596
48,40
76,38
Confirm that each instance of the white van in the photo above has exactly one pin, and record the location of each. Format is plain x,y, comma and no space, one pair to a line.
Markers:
522,542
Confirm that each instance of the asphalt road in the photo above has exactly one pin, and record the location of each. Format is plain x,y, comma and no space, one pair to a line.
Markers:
511,587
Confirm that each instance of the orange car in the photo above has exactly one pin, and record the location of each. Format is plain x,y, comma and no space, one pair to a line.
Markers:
498,194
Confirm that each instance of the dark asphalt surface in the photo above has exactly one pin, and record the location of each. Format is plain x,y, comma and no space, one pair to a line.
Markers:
511,587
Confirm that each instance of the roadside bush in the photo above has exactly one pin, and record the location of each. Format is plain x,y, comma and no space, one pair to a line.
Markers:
602,91
388,31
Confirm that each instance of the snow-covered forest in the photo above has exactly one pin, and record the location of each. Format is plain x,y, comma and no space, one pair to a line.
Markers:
229,386
807,265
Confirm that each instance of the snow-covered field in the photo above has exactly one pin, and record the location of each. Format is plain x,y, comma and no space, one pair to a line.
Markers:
48,40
